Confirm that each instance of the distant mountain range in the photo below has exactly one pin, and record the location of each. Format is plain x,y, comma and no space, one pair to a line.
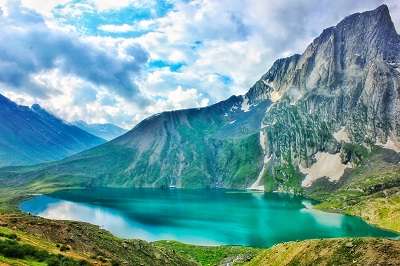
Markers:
106,131
30,135
311,116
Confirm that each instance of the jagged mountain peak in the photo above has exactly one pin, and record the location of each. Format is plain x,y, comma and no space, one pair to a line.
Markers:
378,18
370,33
379,14
345,83
332,60
342,90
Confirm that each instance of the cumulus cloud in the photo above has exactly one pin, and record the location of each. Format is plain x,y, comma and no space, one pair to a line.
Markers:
191,53
117,28
238,39
29,47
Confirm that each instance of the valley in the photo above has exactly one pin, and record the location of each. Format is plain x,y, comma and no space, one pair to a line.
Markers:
290,168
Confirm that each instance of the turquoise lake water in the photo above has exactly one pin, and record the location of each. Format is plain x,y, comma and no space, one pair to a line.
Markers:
207,217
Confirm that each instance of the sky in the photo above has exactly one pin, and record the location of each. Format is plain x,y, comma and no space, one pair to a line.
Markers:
120,61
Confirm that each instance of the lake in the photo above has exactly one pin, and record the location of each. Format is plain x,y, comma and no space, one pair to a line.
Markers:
206,217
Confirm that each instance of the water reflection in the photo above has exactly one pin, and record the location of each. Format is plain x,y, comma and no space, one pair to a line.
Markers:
199,217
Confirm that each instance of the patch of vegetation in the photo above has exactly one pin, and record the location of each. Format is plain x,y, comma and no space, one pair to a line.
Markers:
293,135
353,153
211,255
371,191
364,251
78,241
288,178
239,161
13,249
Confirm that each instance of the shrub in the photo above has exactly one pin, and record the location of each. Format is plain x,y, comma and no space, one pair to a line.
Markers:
13,249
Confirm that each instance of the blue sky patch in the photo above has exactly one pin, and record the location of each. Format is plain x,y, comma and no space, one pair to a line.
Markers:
226,80
174,67
88,20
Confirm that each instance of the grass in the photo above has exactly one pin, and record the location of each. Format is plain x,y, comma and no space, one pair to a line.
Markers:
371,191
211,255
381,211
79,241
29,239
359,251
12,249
20,262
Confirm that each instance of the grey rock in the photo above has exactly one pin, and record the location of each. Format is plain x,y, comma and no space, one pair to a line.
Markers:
347,77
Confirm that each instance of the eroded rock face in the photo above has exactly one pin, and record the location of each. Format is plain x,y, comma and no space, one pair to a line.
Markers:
343,89
348,77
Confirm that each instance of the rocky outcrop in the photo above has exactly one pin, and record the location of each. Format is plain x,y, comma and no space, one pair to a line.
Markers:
340,95
347,78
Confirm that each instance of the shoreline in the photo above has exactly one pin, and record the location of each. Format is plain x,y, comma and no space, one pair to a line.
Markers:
44,229
312,204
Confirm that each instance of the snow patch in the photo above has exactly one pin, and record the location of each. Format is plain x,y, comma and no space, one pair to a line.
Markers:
268,83
341,135
233,108
258,184
262,140
327,165
245,105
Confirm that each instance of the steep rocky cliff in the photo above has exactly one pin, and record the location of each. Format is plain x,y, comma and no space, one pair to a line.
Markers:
343,88
310,116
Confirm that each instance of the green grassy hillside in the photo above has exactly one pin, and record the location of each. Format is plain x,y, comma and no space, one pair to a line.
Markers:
371,191
78,243
363,251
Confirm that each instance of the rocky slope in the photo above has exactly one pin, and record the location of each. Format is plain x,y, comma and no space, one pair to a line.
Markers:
82,242
372,191
31,135
364,251
343,88
310,116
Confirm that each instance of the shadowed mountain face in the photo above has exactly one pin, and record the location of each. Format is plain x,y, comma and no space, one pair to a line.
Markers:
325,105
32,135
105,131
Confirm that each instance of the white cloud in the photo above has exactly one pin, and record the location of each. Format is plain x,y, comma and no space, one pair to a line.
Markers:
144,25
117,28
238,39
44,7
180,98
112,4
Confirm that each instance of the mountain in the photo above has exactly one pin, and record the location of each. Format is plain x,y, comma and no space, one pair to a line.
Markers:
105,131
31,135
311,116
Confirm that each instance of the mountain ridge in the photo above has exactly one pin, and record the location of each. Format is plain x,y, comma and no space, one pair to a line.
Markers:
332,102
105,131
32,135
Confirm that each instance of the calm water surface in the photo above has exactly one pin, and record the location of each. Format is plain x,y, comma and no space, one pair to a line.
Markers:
207,217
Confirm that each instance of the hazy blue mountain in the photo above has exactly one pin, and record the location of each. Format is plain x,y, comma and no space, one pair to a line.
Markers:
31,135
310,116
106,131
